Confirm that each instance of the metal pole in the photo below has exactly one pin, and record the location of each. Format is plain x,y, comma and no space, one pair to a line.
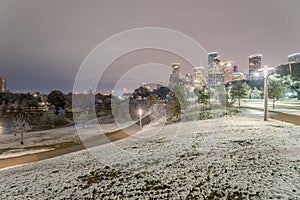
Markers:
265,70
140,114
266,98
141,122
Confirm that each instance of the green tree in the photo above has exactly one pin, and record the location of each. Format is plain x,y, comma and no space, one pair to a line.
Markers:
103,103
276,89
256,93
203,96
175,107
162,92
177,101
152,99
57,99
296,86
33,100
239,90
142,92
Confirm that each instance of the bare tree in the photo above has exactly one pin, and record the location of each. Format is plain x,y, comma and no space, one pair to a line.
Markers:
81,117
22,125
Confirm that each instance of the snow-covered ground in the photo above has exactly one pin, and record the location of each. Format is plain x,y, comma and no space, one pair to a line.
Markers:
230,157
34,142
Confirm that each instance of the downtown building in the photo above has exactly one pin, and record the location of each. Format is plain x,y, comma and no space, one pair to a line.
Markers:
232,73
228,70
254,66
212,56
188,83
195,80
199,78
215,70
215,74
292,67
174,79
2,84
294,58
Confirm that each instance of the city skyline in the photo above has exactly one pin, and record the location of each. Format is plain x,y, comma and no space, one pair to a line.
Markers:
43,43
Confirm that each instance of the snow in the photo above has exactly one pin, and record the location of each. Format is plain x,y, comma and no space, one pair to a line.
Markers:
54,136
237,157
41,141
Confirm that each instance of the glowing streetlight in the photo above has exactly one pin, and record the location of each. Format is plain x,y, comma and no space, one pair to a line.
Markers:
265,70
140,115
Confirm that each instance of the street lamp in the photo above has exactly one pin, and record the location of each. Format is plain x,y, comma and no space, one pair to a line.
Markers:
265,70
140,115
290,66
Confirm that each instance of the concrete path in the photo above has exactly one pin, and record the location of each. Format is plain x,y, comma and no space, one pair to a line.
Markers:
95,141
277,115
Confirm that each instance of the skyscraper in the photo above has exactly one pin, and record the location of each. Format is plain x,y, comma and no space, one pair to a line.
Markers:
294,58
211,57
189,78
228,71
174,77
254,65
2,84
199,79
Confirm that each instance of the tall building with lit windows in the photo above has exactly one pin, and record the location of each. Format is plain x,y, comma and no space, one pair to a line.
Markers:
294,58
174,77
228,71
2,84
211,57
254,66
199,79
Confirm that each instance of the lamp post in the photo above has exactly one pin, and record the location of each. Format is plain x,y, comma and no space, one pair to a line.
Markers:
140,115
290,66
265,70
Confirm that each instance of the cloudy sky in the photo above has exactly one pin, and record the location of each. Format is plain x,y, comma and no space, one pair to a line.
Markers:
44,42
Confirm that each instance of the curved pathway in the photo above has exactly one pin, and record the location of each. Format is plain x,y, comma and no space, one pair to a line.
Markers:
99,140
277,115
121,134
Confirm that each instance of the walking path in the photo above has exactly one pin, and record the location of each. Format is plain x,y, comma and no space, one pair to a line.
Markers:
281,113
287,107
92,142
284,111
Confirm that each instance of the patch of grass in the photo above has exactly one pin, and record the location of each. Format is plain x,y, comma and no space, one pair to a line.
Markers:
94,177
205,115
217,113
243,142
154,185
189,154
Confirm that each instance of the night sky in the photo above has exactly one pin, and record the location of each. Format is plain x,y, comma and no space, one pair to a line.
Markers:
43,43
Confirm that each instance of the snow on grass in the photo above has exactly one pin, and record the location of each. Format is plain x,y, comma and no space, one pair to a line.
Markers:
228,158
53,136
39,141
